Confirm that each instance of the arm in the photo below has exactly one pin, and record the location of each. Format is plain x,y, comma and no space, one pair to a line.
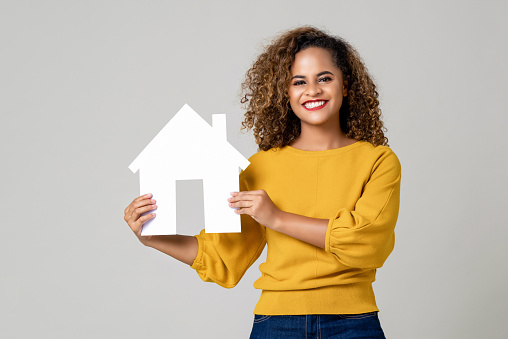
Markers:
310,230
180,247
223,258
362,237
261,208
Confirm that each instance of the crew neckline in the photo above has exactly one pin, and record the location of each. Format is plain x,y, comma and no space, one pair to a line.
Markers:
333,151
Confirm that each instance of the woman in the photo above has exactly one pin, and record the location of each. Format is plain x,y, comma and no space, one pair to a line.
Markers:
322,193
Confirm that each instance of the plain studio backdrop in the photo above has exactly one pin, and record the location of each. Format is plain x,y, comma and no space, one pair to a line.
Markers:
85,85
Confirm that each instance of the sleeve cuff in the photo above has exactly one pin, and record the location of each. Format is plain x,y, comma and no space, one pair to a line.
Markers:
328,232
197,262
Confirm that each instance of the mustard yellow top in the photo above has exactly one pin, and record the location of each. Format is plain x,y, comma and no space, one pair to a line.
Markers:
356,187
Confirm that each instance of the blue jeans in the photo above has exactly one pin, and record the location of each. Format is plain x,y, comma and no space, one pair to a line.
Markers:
336,326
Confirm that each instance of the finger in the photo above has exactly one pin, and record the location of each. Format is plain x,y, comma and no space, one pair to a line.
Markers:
235,194
242,198
140,203
142,197
141,210
144,202
136,201
246,195
243,211
243,203
135,213
136,227
255,192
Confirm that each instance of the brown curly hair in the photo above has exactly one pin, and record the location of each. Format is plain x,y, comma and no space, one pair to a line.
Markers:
265,91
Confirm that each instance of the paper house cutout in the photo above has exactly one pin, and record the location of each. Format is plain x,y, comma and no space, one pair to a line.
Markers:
189,148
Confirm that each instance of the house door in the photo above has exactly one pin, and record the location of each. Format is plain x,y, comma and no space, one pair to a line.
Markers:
190,215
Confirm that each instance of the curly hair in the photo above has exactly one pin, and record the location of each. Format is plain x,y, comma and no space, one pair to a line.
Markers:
264,92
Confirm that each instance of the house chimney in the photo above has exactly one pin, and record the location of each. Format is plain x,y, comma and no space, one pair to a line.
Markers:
219,126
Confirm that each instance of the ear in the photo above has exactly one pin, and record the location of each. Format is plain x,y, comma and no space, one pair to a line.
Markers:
345,86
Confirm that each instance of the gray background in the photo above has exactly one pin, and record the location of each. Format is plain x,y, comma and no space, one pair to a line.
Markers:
85,85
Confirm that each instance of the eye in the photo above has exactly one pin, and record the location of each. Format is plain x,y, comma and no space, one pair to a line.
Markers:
325,79
298,83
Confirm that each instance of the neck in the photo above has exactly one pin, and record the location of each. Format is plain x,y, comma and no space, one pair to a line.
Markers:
319,138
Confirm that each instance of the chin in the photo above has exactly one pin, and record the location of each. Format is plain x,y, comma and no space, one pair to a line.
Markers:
315,122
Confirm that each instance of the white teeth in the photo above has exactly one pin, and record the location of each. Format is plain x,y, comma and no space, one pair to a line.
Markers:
314,104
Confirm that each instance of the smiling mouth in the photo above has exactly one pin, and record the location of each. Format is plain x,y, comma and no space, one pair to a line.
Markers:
315,105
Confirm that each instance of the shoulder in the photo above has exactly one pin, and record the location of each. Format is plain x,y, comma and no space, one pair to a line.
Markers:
382,160
261,163
380,153
260,159
262,156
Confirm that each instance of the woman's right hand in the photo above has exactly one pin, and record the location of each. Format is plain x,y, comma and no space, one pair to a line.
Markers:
134,217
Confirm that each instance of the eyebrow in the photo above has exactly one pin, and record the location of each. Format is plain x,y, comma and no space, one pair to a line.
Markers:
317,75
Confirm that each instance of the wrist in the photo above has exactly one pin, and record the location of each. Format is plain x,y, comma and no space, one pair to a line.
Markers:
146,240
279,221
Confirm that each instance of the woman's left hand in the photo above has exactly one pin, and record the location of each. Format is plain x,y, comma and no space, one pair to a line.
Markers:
258,205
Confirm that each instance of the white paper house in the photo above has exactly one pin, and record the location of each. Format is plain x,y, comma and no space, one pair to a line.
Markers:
189,148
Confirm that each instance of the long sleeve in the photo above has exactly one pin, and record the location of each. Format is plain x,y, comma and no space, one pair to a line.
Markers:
355,187
364,237
224,258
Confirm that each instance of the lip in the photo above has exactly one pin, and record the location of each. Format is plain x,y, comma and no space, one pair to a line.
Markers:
315,108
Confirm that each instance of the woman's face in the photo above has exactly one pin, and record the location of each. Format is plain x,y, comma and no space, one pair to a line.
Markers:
317,89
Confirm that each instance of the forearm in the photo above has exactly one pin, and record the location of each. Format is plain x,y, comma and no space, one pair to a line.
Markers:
310,230
181,247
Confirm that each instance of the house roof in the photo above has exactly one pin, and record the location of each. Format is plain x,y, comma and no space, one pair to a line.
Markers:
183,129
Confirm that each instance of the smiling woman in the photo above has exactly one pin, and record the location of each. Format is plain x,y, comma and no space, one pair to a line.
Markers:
316,93
268,87
322,194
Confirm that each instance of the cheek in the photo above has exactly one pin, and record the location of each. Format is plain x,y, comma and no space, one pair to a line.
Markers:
293,102
294,96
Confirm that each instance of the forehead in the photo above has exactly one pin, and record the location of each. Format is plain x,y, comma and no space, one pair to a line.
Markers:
313,60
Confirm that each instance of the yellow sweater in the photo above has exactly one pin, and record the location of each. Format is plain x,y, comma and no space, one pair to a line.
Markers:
356,187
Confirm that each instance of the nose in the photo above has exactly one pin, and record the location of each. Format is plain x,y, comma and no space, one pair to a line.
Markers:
313,90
